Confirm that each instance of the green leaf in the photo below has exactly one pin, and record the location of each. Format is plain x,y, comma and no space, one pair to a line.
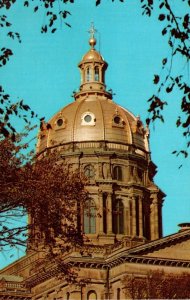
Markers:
170,88
178,122
67,24
26,3
161,17
164,31
164,61
147,121
156,79
174,152
26,107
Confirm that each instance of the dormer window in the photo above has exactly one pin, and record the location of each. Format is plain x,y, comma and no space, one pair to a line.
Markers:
88,118
117,121
60,122
96,74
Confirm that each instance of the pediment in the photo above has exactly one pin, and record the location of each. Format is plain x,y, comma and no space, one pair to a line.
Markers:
180,250
176,246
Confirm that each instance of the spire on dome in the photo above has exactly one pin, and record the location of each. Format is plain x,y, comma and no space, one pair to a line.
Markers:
92,31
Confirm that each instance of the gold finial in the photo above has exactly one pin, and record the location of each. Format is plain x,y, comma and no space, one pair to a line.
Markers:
92,31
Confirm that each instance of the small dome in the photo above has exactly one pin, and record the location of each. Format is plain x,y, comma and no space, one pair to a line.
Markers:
92,55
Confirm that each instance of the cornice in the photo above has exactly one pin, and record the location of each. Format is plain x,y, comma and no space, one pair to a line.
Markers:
130,256
160,243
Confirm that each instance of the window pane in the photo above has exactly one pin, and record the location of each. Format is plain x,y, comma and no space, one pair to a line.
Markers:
96,77
118,221
88,74
117,173
90,217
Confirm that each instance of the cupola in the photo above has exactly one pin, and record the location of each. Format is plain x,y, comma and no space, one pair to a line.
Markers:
92,68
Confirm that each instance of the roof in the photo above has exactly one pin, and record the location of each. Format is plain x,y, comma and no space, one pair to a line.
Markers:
94,119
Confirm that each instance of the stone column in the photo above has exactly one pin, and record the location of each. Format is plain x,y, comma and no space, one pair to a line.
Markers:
109,214
128,219
100,171
125,220
160,220
134,229
140,217
100,74
154,218
100,218
127,173
93,73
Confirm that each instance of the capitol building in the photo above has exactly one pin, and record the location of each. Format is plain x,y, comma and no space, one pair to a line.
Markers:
110,146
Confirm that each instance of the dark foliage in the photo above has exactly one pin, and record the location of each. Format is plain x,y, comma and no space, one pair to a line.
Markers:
158,285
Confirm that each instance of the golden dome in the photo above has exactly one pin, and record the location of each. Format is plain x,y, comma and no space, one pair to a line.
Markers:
95,120
92,55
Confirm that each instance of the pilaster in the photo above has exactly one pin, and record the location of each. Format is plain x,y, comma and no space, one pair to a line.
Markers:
140,217
109,214
100,218
134,229
154,218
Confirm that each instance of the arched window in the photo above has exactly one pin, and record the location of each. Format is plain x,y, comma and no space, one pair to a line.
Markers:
90,217
118,217
92,295
67,296
88,74
96,74
117,173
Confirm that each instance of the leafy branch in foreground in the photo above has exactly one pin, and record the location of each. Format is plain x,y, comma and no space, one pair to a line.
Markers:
177,29
45,190
157,285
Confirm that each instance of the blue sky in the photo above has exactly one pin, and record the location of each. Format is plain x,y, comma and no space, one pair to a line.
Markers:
43,71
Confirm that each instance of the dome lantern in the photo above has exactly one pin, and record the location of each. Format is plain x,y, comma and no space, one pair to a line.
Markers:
92,68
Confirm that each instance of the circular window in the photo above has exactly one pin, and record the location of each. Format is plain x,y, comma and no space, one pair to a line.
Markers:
60,122
117,120
88,118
